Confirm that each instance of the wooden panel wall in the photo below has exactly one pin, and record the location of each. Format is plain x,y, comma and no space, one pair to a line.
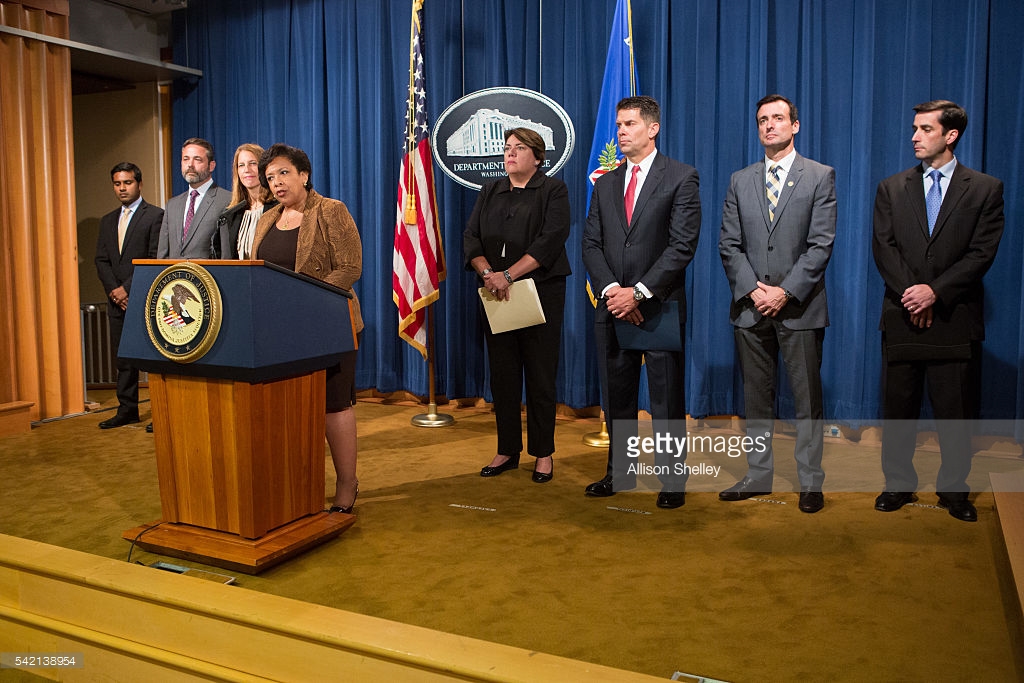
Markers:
40,332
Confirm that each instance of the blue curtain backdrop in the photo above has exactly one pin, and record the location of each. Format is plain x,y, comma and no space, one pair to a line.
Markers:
330,76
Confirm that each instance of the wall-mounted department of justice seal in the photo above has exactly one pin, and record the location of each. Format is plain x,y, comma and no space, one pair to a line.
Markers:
468,137
183,312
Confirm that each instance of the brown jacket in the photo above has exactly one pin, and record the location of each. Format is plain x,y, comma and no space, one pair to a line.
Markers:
329,248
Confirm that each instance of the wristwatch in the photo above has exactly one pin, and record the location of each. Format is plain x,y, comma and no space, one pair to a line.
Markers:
485,272
638,295
508,277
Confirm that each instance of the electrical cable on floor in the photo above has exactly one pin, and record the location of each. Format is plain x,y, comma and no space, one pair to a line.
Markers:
137,537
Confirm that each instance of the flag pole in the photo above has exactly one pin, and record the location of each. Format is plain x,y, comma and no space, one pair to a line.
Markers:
431,418
410,215
601,439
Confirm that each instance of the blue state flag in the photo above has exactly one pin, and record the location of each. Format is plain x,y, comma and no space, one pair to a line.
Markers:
619,81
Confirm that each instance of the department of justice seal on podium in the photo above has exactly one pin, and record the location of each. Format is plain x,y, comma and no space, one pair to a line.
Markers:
183,312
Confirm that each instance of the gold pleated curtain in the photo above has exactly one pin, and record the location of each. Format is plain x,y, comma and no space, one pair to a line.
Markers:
40,329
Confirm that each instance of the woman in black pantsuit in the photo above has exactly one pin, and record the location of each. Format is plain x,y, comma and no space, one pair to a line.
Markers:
518,229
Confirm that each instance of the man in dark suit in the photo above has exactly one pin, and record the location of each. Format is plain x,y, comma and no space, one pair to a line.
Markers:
936,231
128,233
778,226
640,235
190,219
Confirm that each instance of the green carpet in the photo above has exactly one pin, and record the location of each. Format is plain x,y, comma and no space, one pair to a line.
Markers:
749,591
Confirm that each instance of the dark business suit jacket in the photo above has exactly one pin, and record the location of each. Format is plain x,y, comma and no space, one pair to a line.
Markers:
140,241
952,260
790,252
657,245
204,225
653,249
229,224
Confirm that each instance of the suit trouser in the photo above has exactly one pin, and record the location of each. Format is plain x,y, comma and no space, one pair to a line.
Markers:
759,348
530,353
127,376
952,391
620,389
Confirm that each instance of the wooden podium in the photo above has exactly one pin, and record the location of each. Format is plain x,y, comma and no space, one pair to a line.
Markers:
239,431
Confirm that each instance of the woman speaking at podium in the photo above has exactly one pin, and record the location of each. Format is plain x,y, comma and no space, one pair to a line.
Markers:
518,229
316,236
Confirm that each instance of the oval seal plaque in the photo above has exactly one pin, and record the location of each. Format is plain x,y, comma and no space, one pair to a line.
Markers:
183,312
468,138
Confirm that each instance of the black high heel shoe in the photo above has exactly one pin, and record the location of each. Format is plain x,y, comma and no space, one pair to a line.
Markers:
543,477
511,464
348,510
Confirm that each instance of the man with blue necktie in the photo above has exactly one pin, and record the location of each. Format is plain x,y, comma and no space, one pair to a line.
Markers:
936,231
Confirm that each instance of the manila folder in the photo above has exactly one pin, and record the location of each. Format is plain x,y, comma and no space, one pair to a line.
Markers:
522,309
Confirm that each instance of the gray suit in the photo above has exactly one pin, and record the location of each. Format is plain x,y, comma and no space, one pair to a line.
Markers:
204,225
790,252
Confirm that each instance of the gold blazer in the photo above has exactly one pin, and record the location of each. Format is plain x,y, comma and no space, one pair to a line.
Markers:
328,248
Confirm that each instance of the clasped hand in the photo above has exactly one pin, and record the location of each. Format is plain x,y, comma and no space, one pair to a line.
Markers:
497,285
768,299
918,300
622,305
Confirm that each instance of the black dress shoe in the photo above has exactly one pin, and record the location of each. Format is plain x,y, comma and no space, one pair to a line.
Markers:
961,508
117,421
671,499
345,510
601,489
543,477
745,488
511,464
811,501
891,501
149,428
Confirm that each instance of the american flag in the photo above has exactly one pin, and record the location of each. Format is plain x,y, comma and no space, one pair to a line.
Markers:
419,258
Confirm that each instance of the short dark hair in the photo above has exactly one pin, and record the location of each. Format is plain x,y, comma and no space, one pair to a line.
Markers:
295,155
127,167
530,138
767,99
953,117
201,143
648,106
